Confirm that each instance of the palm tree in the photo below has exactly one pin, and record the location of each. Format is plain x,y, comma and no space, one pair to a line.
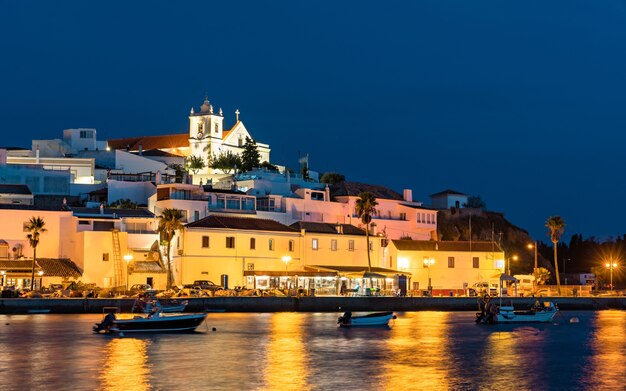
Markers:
170,221
556,225
36,227
365,208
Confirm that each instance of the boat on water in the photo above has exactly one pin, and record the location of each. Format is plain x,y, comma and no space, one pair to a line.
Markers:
146,304
540,312
367,320
149,319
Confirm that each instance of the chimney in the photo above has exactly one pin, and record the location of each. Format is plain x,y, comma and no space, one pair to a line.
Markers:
140,149
408,195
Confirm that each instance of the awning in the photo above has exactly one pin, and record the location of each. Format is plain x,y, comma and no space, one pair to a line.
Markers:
357,271
290,273
504,277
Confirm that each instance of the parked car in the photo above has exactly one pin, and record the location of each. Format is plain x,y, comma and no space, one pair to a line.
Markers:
482,288
205,285
139,288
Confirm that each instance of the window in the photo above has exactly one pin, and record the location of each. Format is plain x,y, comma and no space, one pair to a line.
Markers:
333,244
350,245
217,128
250,266
200,127
105,257
475,262
371,245
83,222
252,244
205,242
451,262
402,216
428,218
315,244
196,215
86,134
423,217
419,220
271,245
291,245
230,242
240,141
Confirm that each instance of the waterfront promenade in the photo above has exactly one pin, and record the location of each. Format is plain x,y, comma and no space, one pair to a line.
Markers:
301,304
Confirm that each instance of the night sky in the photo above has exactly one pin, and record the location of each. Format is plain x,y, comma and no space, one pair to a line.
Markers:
522,103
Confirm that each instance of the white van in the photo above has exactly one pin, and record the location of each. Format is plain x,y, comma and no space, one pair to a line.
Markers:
525,284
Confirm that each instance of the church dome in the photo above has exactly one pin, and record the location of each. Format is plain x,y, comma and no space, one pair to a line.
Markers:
206,107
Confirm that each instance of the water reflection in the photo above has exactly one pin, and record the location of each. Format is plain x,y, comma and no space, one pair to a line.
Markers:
286,361
419,356
125,365
606,369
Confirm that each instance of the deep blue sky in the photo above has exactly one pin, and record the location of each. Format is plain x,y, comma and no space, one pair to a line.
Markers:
522,103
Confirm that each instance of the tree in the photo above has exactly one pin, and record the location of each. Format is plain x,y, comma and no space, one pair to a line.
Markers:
475,202
365,208
250,157
124,204
36,227
170,221
556,226
179,172
543,275
194,163
268,166
226,162
332,177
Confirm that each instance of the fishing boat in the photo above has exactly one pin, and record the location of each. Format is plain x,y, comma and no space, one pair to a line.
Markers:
540,312
367,320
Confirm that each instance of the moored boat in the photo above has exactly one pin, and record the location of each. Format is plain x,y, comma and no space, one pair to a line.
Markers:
367,320
540,312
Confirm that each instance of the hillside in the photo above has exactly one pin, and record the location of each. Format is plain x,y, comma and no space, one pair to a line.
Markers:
454,225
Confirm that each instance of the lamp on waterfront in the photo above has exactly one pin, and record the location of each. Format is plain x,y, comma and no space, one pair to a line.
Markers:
40,279
508,261
428,262
127,258
286,259
611,265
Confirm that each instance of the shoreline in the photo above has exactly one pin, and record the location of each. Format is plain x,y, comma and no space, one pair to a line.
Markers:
301,304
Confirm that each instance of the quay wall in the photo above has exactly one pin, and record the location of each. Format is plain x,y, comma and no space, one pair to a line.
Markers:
301,304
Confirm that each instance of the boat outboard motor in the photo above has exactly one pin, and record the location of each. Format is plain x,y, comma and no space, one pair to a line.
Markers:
106,323
345,318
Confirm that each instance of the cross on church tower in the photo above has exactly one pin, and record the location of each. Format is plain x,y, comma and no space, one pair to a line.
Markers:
237,114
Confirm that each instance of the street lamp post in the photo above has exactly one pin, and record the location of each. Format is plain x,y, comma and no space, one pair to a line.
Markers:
535,270
127,258
40,279
428,262
286,259
508,261
611,265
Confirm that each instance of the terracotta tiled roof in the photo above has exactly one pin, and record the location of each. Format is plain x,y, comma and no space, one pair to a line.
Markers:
431,245
170,141
354,189
147,267
328,228
242,223
52,267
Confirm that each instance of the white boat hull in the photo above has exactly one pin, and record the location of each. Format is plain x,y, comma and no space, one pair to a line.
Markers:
507,314
369,320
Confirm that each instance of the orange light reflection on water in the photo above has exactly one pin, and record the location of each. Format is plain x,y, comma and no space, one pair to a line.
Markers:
606,369
125,365
286,364
420,353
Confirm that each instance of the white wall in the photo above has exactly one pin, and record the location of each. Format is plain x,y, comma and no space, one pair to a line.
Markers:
133,164
137,192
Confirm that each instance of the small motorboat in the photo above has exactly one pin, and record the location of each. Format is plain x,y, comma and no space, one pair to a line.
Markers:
540,312
150,319
372,319
146,302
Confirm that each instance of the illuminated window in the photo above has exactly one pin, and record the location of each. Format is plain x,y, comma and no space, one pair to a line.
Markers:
333,244
315,244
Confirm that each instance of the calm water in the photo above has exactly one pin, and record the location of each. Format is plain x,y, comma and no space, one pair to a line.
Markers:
294,351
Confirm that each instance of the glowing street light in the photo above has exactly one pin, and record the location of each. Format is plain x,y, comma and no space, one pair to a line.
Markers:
428,262
508,261
611,265
127,258
40,273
